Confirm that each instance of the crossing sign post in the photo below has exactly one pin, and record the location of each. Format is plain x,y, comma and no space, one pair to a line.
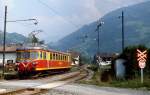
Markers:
141,58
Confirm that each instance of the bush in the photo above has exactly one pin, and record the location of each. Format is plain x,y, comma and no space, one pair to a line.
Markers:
93,68
131,65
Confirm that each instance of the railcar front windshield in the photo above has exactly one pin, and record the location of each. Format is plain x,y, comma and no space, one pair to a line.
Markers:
26,55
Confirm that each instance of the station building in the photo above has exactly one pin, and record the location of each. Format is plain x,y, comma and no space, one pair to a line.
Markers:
75,57
10,53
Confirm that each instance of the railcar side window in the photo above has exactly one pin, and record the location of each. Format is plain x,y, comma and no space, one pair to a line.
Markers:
56,56
53,56
41,55
18,55
33,55
44,55
47,54
68,59
65,58
26,55
50,56
61,56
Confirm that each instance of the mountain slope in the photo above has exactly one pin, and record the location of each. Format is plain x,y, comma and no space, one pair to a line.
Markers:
137,31
12,38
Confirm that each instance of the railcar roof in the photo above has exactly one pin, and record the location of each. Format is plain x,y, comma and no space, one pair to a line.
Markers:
40,48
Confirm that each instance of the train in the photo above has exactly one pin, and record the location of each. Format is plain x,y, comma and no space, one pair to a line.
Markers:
31,60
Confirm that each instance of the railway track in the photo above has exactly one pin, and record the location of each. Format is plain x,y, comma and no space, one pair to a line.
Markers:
44,87
25,91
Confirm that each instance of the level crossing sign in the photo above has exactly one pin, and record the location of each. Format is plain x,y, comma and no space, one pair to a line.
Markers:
141,58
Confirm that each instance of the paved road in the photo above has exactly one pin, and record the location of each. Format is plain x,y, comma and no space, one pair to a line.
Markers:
68,89
78,89
48,82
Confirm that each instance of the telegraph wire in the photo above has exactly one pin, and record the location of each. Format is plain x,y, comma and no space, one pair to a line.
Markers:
25,25
55,12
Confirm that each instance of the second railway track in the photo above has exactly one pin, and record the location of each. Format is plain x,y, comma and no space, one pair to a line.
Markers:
48,83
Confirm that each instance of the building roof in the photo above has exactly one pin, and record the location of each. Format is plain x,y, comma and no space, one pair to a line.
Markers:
107,54
74,53
9,48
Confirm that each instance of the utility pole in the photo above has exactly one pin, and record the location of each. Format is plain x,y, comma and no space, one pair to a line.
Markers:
98,35
98,40
4,40
122,17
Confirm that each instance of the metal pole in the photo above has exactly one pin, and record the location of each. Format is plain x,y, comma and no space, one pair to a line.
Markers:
98,51
98,35
4,40
122,31
141,75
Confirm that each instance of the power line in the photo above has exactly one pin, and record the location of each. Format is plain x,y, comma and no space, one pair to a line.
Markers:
25,25
55,12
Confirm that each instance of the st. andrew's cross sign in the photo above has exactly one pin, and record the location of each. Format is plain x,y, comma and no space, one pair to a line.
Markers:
141,58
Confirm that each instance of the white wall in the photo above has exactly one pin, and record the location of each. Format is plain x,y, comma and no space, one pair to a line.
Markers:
8,56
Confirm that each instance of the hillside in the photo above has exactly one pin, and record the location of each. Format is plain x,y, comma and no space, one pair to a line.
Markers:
137,31
12,38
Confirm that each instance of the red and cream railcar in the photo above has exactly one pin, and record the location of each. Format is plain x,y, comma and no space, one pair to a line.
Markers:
35,59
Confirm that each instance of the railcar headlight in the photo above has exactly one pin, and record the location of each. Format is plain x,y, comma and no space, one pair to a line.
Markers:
34,63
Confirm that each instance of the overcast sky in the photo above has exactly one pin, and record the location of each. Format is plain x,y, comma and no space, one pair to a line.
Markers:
57,18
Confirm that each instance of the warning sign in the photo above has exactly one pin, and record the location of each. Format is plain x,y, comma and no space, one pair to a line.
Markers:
141,58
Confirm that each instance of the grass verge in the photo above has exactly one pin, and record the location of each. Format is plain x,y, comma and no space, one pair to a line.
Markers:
134,83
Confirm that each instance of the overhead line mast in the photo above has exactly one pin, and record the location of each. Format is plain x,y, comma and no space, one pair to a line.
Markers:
4,40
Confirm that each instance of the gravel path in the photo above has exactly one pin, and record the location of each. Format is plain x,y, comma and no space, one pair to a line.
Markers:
78,89
90,75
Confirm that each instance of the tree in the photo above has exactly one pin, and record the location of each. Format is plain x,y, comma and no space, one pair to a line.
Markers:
35,39
131,65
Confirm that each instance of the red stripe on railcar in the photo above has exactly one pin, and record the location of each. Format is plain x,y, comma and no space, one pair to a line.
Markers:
47,65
